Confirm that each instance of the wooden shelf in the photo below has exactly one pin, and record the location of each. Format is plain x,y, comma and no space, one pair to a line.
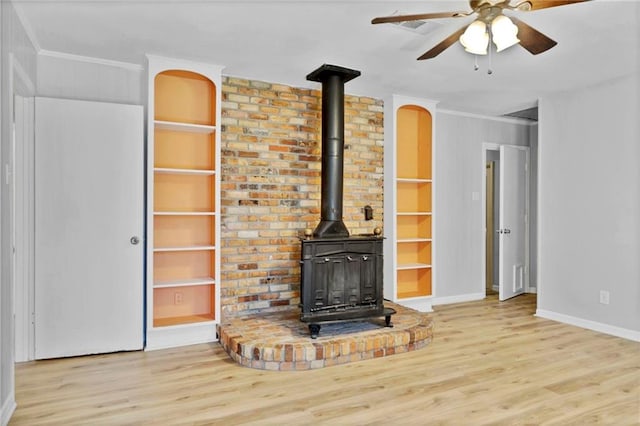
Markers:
414,240
183,171
414,253
183,265
414,294
177,126
183,301
187,248
414,282
184,192
414,180
184,150
182,320
413,227
185,283
413,214
180,213
413,196
406,266
184,232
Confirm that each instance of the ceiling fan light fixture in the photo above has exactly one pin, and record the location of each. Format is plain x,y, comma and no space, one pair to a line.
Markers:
504,33
475,39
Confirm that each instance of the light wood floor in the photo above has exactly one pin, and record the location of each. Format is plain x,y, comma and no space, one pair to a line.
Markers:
489,362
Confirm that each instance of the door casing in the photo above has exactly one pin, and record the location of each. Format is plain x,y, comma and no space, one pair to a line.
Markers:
23,226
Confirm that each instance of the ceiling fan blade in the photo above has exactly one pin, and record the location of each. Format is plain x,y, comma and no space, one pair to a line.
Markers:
531,39
440,47
404,18
544,4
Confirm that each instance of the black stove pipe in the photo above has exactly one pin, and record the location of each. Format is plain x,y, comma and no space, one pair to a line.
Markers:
333,78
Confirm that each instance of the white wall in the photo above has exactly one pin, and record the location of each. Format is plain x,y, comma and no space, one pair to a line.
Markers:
76,77
460,174
16,43
589,204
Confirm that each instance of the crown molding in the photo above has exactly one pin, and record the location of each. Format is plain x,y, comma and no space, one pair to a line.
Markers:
91,60
512,120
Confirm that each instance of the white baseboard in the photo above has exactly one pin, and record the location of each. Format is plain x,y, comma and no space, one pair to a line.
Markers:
625,333
420,304
171,337
8,407
447,300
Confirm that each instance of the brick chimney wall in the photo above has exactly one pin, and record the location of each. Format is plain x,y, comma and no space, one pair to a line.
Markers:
270,188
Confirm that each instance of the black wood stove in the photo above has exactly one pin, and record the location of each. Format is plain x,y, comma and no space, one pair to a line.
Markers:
341,275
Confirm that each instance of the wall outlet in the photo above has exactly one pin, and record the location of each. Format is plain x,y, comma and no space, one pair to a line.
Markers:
604,297
177,298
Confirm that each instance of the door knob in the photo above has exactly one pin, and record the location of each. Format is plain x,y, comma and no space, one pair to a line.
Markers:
134,240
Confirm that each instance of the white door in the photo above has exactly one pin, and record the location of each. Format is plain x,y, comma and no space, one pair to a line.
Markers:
89,211
514,228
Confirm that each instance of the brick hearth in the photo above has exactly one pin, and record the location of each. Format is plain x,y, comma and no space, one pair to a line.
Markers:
280,341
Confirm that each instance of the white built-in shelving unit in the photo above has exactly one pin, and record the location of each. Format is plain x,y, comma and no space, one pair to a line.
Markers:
183,202
409,194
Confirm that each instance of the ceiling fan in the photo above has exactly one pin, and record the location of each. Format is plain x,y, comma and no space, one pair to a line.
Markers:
505,31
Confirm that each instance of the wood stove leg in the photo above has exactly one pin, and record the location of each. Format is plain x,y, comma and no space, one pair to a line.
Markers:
387,321
314,329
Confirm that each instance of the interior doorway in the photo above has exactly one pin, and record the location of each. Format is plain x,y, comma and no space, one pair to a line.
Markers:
492,209
505,196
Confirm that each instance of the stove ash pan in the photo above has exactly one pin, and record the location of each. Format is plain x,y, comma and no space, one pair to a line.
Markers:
341,280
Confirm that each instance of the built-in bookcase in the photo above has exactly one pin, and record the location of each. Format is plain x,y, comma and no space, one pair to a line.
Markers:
409,206
183,203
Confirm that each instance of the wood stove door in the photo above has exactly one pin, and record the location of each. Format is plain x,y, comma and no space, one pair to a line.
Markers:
344,280
352,279
329,277
368,287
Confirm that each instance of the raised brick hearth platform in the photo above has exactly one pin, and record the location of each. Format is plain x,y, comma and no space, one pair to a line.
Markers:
280,341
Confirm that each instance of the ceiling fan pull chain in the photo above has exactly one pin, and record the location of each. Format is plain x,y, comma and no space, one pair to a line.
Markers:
490,70
476,67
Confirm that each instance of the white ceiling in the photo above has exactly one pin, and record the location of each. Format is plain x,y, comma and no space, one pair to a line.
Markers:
282,41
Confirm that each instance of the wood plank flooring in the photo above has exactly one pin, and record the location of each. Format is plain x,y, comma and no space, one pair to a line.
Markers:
490,362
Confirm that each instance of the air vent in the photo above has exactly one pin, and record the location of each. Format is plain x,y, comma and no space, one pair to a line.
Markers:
418,27
414,25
